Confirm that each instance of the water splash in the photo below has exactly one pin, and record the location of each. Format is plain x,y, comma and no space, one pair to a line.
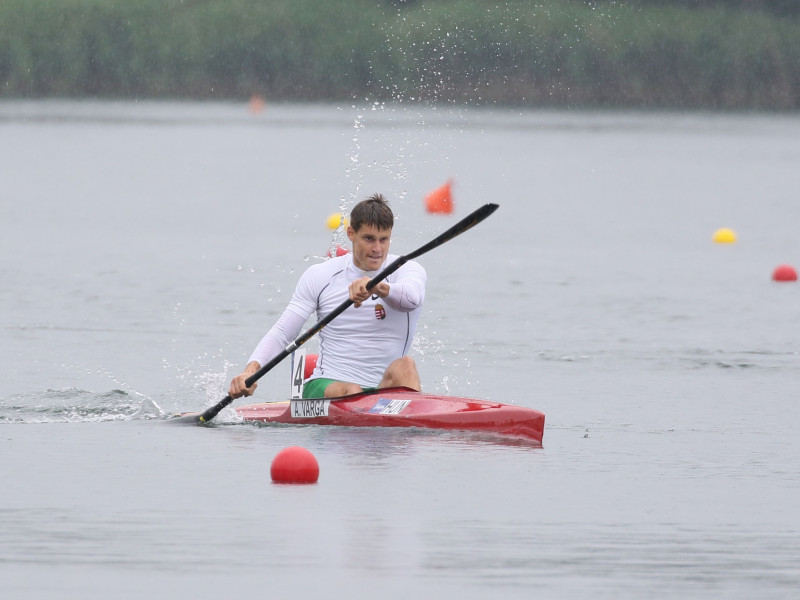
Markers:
73,405
429,347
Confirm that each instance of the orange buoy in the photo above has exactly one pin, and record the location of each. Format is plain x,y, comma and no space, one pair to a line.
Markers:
256,104
440,200
784,273
294,465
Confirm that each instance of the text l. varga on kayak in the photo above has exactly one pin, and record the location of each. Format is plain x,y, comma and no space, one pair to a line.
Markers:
308,409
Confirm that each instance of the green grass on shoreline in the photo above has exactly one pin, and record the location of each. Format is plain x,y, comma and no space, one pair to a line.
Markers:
520,53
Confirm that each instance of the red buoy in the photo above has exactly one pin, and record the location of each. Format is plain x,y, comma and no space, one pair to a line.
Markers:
294,465
338,251
784,273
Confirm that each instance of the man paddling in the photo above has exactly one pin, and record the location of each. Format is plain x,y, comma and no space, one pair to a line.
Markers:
366,347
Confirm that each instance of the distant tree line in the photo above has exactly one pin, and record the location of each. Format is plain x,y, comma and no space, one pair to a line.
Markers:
779,7
710,54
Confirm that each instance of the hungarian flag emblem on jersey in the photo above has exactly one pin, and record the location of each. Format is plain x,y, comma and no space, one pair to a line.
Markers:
380,312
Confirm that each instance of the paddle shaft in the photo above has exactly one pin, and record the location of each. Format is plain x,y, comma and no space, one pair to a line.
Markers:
463,225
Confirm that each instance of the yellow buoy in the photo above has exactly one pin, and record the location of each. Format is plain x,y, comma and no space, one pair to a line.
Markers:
335,220
724,236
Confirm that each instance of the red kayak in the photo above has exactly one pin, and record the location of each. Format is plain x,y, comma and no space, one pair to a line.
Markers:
404,407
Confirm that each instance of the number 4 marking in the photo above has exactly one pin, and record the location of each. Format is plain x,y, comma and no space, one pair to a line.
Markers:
298,372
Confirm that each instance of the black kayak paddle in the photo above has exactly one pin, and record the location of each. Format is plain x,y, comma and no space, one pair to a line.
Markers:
463,225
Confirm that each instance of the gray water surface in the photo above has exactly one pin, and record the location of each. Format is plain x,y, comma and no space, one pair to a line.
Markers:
146,247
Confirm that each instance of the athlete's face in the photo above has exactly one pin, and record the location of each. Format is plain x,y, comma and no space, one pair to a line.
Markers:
370,246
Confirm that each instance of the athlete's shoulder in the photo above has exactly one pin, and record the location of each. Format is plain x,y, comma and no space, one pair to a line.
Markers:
317,277
410,268
327,268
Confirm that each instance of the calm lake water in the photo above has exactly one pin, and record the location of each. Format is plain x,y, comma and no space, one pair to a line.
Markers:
146,247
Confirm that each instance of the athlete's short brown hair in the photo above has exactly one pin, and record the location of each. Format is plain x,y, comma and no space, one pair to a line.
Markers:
372,211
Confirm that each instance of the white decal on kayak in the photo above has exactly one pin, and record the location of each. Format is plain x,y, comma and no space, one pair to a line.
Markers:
385,406
308,409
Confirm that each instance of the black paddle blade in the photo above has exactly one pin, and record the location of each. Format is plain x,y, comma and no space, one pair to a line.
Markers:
463,225
201,418
186,419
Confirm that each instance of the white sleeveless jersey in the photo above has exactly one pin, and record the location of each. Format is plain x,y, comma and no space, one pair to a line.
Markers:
359,344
